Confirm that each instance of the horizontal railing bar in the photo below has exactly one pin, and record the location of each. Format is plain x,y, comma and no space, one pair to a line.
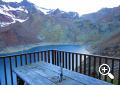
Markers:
22,54
109,57
70,61
92,55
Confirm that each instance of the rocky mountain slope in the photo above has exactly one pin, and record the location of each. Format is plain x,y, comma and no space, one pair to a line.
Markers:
21,22
109,20
109,47
104,15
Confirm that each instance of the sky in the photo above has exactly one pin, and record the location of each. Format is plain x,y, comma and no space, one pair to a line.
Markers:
80,6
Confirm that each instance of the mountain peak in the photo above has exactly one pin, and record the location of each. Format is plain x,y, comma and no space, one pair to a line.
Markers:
25,0
12,12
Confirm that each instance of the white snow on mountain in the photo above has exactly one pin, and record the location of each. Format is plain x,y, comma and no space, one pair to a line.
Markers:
21,20
4,24
44,10
8,8
4,10
10,14
21,8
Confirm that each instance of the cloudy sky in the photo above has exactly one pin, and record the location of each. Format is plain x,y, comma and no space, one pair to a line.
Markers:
80,6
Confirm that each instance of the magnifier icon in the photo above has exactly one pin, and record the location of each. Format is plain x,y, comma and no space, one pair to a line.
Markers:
104,69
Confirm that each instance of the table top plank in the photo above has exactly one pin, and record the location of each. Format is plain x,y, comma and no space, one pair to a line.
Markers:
31,77
41,73
37,75
77,76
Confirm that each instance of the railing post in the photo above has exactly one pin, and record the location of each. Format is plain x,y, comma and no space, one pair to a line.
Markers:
16,66
60,58
106,61
34,57
66,61
48,56
119,73
41,56
21,60
15,61
58,62
69,61
112,69
0,81
11,70
73,62
89,65
38,56
30,58
45,56
26,59
80,63
76,62
94,69
63,58
53,57
84,64
5,71
99,65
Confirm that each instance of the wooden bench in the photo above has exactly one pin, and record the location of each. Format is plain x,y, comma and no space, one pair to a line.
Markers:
47,74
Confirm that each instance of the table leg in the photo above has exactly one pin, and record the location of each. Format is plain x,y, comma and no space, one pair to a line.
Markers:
20,81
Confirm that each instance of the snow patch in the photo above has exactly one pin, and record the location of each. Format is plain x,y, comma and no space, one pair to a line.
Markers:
4,24
21,8
8,8
44,10
5,11
21,20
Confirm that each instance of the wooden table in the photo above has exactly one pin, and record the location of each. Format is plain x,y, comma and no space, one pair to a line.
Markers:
47,74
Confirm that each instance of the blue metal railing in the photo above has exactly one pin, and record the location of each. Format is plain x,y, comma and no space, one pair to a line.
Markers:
82,63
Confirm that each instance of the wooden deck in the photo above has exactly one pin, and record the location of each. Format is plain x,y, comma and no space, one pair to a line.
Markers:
47,74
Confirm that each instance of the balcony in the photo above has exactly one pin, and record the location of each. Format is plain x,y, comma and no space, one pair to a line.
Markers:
80,63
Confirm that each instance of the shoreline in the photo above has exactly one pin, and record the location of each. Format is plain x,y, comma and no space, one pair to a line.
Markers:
77,48
12,49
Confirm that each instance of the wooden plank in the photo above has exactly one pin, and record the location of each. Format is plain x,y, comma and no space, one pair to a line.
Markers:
44,73
51,75
30,73
32,77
